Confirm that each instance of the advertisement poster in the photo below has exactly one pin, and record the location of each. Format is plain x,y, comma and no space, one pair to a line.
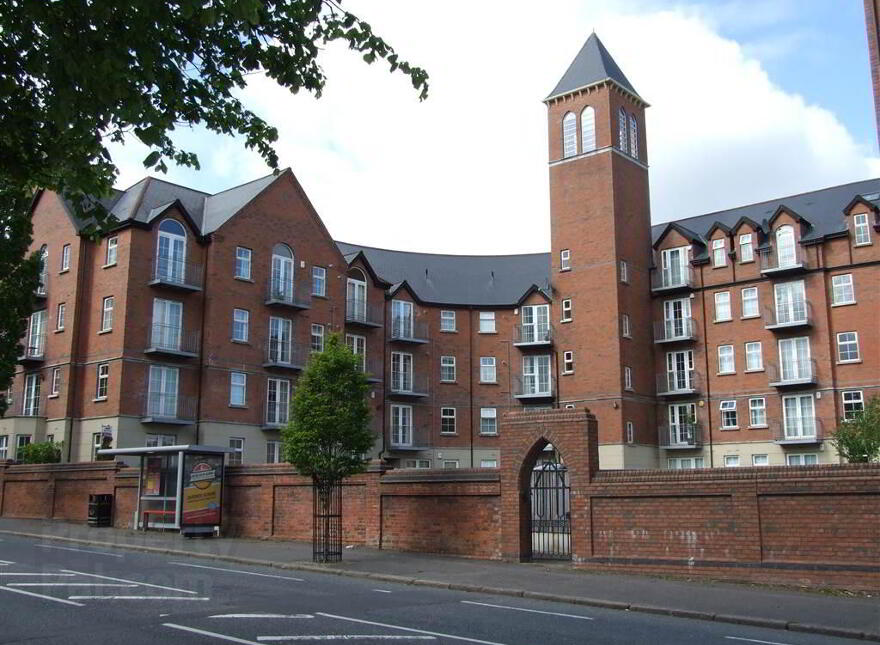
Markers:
153,479
202,480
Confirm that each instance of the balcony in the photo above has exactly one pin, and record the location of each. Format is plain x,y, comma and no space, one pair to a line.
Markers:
771,266
533,335
684,436
283,293
176,274
169,340
168,408
409,440
276,417
362,313
28,406
671,279
797,431
373,369
284,354
407,330
678,383
34,350
801,372
530,388
675,331
42,290
405,385
794,316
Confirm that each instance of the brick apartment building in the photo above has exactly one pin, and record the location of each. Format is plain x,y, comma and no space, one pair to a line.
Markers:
733,338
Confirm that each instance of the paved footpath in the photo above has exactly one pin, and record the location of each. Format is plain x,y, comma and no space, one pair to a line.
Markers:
820,613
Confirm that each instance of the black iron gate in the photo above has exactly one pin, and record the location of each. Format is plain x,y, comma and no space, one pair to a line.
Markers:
327,522
550,513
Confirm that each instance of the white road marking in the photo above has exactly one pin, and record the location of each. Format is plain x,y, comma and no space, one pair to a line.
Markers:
382,590
6,562
247,573
57,575
67,548
66,584
345,637
531,611
137,598
142,584
754,640
39,595
408,629
202,632
262,616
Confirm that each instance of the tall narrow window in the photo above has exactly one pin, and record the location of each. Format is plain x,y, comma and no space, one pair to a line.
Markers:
60,316
447,420
861,229
791,302
757,412
728,414
750,302
786,253
358,346
754,357
588,129
633,136
535,326
162,392
281,285
488,421
401,425
31,401
356,296
568,362
565,259
167,324
280,345
240,325
487,369
566,310
853,404
746,250
625,326
726,361
273,452
447,369
107,314
621,129
402,322
624,272
242,263
112,251
65,257
43,284
36,347
319,281
487,322
722,306
237,389
56,381
569,135
401,372
627,378
719,253
171,252
447,320
277,402
630,432
103,381
317,338
237,454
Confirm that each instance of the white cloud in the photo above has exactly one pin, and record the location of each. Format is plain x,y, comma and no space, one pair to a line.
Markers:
465,171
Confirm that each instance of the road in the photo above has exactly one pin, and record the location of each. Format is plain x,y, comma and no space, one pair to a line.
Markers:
53,593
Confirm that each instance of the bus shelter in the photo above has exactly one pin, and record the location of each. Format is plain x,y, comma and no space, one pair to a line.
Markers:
179,487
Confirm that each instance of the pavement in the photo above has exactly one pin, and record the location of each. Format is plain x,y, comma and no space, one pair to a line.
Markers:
749,605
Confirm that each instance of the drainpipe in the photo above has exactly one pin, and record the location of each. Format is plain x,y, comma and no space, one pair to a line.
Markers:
471,376
202,340
706,361
84,256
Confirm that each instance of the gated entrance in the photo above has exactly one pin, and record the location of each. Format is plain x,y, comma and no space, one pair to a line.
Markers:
550,512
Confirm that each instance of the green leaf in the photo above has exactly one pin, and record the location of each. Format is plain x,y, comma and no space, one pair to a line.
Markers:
152,158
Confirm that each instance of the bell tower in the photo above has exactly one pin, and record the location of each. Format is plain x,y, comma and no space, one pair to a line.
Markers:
601,254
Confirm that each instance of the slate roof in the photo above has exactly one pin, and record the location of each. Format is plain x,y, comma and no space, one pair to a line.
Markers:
592,64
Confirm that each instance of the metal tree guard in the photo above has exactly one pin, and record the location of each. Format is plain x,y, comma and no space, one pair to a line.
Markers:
327,521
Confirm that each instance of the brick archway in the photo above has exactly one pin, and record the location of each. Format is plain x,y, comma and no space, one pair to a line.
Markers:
524,435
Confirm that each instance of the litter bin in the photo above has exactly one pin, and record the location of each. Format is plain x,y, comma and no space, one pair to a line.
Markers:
100,510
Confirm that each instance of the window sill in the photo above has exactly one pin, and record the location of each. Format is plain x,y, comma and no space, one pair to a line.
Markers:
107,266
63,271
723,266
488,382
58,331
760,427
754,371
52,396
238,407
487,332
746,261
239,342
448,434
726,374
240,279
750,317
856,246
104,331
99,399
488,434
449,382
566,270
627,337
448,331
568,373
723,320
843,304
628,389
850,362
728,429
321,296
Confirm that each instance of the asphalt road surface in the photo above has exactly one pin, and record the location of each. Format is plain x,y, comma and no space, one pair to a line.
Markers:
53,593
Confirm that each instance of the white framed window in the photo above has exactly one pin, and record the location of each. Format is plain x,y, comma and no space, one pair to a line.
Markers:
280,344
44,270
417,463
621,129
401,425
754,357
726,361
842,289
627,378
112,251
488,421
566,310
731,461
569,135
447,369
401,372
750,302
758,412
319,281
853,404
36,346
236,456
241,325
273,452
402,319
60,316
158,440
799,416
282,272
487,322
588,129
243,263
450,464
728,414
565,259
65,257
277,402
447,320
4,447
488,463
21,440
722,306
568,362
630,432
624,272
107,314
848,347
447,420
317,338
786,250
358,346
760,460
802,460
791,302
626,328
746,250
237,389
487,369
56,381
102,385
861,229
633,136
719,253
684,463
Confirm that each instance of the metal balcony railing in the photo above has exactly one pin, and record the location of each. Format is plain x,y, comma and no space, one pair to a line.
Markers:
373,369
789,316
288,294
682,436
361,312
797,430
30,406
408,384
790,263
672,278
408,330
797,372
677,382
34,349
412,438
168,407
285,354
536,335
171,340
276,415
42,289
678,329
534,387
175,273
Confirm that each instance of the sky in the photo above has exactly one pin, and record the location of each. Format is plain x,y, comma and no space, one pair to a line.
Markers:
749,101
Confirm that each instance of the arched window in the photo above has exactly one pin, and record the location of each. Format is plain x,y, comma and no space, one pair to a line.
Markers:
44,269
621,129
171,252
633,136
356,296
588,129
786,255
282,273
569,135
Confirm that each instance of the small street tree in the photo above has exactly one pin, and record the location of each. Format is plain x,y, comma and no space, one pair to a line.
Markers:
858,440
328,436
43,452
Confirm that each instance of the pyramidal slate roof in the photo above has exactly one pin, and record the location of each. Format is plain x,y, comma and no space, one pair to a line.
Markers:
592,64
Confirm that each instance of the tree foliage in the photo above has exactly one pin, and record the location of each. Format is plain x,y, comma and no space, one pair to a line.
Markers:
858,440
44,452
329,429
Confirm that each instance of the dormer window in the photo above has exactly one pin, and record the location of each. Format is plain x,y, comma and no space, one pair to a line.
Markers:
746,250
171,252
786,255
861,229
569,135
565,259
621,129
588,129
282,273
633,136
719,253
